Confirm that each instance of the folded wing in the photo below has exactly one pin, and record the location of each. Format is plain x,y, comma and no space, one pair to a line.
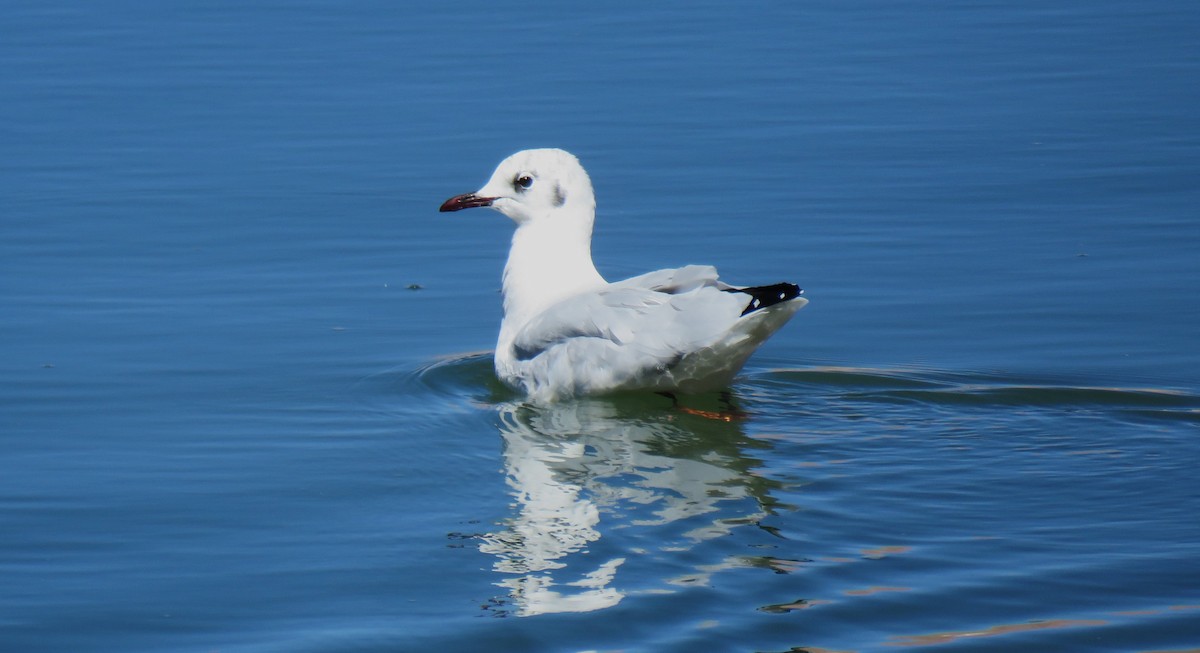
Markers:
642,332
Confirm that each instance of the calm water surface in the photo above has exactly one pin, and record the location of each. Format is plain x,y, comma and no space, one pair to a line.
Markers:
246,399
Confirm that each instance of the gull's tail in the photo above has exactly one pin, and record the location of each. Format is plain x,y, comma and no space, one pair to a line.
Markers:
766,296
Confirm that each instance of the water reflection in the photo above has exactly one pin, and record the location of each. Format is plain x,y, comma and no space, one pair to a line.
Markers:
633,468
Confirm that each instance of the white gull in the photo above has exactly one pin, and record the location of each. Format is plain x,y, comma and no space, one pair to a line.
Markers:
567,332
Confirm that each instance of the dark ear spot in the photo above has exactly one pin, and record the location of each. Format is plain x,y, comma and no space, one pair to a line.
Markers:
559,197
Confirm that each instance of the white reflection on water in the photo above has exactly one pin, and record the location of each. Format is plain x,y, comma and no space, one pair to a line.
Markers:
582,469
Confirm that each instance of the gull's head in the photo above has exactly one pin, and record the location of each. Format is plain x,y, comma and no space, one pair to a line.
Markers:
534,185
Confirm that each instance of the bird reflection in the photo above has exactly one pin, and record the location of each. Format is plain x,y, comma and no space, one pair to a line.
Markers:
582,471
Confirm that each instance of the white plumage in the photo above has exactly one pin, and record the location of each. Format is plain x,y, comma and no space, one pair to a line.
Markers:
568,332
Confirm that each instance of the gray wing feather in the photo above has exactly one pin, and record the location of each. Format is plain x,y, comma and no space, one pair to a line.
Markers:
654,317
676,280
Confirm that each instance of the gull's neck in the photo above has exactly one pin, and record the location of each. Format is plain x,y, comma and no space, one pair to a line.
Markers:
550,260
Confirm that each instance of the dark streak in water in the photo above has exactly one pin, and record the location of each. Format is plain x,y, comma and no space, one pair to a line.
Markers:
943,388
993,631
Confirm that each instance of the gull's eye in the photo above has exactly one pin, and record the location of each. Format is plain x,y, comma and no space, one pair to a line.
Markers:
524,181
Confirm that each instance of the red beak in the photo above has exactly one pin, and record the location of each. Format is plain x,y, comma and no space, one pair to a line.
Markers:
468,201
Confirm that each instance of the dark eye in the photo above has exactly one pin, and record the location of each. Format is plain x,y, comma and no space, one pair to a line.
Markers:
524,181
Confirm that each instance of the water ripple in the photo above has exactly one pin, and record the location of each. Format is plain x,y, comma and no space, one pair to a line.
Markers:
951,389
471,375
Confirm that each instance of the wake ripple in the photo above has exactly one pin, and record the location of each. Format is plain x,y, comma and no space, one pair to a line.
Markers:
470,377
961,389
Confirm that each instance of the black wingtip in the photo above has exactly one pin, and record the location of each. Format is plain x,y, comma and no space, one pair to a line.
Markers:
765,296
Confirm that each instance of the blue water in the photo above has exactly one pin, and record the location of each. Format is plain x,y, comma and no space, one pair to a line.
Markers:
246,402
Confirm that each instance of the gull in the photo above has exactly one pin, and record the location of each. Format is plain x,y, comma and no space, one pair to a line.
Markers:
569,333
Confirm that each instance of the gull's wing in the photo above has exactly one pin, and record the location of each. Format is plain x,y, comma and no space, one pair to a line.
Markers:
676,280
661,315
669,329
